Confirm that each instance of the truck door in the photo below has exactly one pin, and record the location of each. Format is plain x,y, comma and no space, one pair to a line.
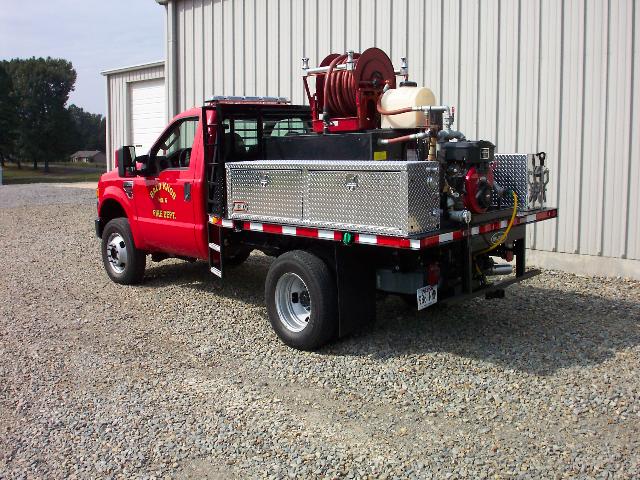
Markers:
164,197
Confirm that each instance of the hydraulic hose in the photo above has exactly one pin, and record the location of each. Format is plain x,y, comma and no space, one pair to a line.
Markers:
405,138
504,235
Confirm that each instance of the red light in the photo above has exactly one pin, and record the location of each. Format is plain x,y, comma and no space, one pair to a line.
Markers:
433,274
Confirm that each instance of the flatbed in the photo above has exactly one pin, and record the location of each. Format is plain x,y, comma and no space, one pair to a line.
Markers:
350,207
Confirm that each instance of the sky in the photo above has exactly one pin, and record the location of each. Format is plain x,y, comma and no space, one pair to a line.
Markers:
95,35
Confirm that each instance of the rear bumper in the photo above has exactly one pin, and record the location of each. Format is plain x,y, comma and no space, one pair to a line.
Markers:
491,288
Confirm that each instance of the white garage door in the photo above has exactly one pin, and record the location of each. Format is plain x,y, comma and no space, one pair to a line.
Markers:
147,110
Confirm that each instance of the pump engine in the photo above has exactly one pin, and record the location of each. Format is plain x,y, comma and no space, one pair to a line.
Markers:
467,175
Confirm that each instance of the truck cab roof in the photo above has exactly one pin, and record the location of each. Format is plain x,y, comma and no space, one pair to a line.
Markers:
248,99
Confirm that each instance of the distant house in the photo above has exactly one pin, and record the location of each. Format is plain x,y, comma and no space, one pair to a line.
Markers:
89,156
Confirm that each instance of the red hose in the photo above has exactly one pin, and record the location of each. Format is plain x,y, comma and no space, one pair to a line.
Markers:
404,138
381,111
340,89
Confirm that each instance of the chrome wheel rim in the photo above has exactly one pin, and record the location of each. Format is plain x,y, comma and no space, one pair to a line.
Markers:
117,253
293,302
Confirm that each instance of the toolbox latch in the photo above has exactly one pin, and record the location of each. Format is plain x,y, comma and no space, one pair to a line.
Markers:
263,180
351,182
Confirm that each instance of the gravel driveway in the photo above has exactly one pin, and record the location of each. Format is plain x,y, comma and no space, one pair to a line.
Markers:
175,378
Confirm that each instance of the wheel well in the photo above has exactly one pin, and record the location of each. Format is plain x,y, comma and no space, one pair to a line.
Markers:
110,209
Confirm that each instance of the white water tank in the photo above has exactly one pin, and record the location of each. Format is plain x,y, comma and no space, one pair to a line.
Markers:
402,97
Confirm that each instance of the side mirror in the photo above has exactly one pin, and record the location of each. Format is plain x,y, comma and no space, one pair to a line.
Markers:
125,160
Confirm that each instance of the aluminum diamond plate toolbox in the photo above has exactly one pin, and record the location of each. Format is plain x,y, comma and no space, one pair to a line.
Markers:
258,193
392,198
526,175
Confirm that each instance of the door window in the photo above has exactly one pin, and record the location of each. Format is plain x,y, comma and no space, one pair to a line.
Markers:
173,150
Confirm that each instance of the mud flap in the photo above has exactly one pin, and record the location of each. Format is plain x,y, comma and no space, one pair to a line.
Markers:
356,281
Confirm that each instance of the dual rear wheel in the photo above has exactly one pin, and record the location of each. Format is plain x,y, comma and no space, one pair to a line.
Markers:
301,298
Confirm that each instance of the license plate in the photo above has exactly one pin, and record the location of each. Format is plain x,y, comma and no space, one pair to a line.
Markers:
427,296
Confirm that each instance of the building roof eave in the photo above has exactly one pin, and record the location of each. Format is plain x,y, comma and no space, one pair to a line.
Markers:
159,63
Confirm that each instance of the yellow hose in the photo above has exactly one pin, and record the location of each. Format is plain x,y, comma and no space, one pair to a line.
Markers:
504,235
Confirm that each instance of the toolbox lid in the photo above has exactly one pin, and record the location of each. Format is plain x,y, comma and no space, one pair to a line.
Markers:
336,165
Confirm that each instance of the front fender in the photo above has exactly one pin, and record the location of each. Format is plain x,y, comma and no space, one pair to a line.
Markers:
114,193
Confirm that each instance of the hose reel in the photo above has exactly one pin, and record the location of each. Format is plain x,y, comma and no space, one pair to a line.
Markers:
347,90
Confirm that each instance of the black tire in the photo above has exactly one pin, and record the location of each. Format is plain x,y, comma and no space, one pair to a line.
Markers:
237,257
130,272
321,324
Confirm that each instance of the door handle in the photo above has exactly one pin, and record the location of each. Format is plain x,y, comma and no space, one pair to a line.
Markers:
187,191
128,188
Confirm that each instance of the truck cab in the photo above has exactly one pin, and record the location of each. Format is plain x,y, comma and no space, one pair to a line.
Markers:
164,195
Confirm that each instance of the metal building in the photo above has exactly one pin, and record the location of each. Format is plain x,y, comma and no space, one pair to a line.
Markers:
529,75
136,106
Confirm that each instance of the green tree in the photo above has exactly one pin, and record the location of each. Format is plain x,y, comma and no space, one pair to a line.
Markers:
42,87
8,116
89,129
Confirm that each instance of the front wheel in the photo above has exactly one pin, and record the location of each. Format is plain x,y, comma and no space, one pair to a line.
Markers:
123,262
301,299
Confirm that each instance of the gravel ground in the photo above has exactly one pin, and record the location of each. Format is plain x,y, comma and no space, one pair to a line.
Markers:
174,378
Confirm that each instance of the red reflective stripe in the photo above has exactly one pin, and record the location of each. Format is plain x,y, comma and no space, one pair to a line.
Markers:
430,241
545,215
306,232
387,241
337,236
269,228
405,243
393,242
458,235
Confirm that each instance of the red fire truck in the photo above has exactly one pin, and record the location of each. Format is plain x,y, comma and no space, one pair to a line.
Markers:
366,190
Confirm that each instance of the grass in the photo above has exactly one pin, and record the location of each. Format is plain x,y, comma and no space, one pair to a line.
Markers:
59,173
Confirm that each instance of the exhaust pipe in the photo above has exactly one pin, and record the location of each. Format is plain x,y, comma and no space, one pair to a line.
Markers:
504,269
462,216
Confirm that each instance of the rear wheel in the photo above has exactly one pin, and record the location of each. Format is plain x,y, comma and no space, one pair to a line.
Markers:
123,262
301,300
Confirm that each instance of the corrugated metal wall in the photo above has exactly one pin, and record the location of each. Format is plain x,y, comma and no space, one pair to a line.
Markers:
118,103
530,75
